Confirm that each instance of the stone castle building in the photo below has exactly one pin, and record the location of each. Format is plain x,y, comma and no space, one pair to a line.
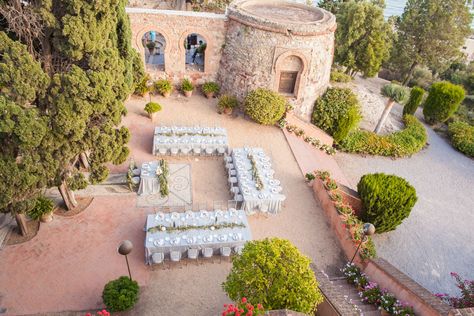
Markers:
283,46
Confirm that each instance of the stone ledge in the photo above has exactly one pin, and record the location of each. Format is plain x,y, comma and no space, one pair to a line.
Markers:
207,15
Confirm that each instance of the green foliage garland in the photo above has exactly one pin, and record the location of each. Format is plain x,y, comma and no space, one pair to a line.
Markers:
120,294
255,175
274,273
265,106
337,112
442,101
159,228
387,200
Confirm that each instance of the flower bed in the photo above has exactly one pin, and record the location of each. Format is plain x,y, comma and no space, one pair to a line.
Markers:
309,139
371,293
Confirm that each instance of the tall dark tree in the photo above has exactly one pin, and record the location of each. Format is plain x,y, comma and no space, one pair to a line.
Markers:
430,33
89,68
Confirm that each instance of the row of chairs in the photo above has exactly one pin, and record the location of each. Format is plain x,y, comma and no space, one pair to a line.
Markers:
195,151
194,254
232,179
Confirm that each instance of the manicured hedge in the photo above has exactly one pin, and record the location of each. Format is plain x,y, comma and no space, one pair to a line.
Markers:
387,200
337,112
462,137
399,144
442,101
120,294
416,96
337,76
265,106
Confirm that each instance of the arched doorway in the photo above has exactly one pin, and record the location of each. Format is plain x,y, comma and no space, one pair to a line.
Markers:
154,44
195,52
289,75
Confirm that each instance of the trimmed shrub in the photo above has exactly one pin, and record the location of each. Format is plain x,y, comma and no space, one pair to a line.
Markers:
337,112
337,76
227,101
274,273
77,181
416,96
443,100
152,107
265,106
43,205
210,87
120,294
387,200
163,86
187,85
399,144
462,137
395,92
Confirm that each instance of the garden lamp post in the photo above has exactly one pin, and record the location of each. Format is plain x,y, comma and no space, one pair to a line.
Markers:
368,230
124,249
149,84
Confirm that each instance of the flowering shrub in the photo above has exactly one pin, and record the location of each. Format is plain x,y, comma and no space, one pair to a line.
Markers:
310,140
400,308
467,293
100,313
387,302
371,293
243,308
354,275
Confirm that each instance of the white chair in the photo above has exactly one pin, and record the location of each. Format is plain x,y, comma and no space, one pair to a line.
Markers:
207,253
232,172
185,150
209,151
220,150
175,256
229,166
234,191
162,151
157,258
225,252
227,159
193,254
239,197
197,150
232,181
238,249
174,151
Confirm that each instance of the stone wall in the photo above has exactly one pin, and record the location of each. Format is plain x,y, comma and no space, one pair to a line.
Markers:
255,53
175,26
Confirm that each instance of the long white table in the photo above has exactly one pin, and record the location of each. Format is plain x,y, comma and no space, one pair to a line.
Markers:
149,183
165,241
190,140
267,198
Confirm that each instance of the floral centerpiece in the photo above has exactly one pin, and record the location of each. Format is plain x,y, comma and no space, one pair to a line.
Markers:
255,174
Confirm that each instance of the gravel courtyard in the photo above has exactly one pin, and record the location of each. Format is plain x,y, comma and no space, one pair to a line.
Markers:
438,236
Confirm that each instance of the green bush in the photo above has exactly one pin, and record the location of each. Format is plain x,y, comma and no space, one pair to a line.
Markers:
442,102
395,92
337,76
399,144
416,96
120,294
227,102
265,106
152,107
77,181
462,137
387,200
337,112
43,205
274,273
142,88
210,87
187,85
163,86
98,173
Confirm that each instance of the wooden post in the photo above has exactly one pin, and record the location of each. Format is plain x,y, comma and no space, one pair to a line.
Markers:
384,116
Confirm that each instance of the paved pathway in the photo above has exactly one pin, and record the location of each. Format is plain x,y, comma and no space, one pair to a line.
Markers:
438,236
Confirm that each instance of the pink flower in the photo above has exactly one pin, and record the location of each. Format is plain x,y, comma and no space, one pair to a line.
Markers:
259,306
244,300
88,314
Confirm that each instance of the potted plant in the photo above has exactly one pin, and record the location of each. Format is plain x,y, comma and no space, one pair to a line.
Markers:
152,108
187,87
210,89
43,210
227,103
164,87
142,88
387,304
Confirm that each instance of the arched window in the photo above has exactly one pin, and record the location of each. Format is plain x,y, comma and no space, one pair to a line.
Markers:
195,52
290,73
154,44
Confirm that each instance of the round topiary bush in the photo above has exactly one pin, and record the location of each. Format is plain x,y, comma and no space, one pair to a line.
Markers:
416,96
337,112
387,200
152,107
442,101
265,106
120,294
274,273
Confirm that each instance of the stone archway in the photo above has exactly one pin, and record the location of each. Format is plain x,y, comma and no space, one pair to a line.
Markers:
290,73
165,49
183,50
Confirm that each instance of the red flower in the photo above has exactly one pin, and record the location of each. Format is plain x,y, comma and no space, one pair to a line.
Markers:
88,314
224,313
249,313
244,300
259,306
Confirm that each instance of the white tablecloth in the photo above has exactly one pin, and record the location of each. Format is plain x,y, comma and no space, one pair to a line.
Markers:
148,180
167,241
211,140
270,196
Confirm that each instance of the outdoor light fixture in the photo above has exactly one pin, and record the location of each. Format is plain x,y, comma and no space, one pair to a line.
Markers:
368,230
124,249
149,84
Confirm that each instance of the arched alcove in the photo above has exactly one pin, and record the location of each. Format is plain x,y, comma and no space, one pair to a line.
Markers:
195,52
154,44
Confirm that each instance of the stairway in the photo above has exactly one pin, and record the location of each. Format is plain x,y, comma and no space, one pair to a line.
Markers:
351,295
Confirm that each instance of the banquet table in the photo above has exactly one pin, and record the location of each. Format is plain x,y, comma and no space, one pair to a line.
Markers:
148,180
268,198
165,241
186,139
